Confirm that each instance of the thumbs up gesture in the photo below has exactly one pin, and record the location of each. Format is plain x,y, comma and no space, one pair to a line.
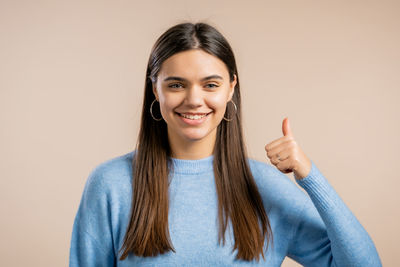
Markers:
286,154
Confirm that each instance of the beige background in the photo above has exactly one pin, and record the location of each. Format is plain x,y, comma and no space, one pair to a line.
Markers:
71,86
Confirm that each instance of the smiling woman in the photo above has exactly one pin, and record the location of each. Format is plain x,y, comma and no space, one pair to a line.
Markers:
193,110
188,182
192,74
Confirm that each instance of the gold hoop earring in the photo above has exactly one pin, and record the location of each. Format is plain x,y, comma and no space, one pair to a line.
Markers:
235,110
151,111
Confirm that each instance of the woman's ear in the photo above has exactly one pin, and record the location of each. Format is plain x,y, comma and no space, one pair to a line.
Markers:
155,92
232,87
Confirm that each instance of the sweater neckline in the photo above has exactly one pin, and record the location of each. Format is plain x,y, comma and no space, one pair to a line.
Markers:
192,166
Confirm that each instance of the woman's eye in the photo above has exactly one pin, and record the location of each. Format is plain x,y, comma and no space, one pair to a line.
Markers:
214,85
173,85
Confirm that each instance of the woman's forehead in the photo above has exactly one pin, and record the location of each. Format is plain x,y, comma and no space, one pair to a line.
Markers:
193,65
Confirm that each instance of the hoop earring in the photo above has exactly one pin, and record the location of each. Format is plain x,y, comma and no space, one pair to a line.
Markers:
151,111
235,110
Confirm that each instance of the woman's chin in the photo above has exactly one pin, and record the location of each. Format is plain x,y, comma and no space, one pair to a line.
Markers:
194,136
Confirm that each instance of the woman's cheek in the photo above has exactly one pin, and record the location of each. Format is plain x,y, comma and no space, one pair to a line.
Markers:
218,102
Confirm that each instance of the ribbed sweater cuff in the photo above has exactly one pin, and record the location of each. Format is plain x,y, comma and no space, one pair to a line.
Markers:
318,188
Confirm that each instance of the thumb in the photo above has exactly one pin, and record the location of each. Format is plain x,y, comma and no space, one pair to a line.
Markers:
287,131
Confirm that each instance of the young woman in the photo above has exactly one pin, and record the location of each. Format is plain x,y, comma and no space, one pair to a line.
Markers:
188,195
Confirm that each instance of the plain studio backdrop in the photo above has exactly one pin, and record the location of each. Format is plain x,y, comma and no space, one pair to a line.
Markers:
71,86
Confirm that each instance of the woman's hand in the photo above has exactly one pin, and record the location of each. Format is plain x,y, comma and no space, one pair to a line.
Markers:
286,154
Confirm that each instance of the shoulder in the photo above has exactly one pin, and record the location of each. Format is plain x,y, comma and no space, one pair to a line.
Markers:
111,173
276,188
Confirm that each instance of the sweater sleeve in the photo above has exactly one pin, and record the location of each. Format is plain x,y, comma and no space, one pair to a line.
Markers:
327,233
91,242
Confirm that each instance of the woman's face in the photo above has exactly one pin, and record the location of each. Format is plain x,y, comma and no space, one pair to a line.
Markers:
193,82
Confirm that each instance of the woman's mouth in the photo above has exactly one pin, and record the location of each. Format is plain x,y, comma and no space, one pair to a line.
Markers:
193,119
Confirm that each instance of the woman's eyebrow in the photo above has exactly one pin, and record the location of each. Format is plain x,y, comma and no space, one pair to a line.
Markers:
176,78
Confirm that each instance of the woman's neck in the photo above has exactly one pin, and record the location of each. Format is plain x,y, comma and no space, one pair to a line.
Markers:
192,150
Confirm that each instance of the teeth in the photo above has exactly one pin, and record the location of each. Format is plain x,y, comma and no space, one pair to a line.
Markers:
193,117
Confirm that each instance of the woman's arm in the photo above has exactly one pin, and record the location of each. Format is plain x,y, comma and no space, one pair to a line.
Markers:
91,242
327,232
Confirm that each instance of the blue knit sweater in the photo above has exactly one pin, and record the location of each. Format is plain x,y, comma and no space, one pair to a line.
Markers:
317,229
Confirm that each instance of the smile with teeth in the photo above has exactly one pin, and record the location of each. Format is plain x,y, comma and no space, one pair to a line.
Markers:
192,117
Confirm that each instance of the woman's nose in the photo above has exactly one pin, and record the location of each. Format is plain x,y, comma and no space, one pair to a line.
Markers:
194,96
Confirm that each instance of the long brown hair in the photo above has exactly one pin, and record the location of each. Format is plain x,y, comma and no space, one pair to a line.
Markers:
238,197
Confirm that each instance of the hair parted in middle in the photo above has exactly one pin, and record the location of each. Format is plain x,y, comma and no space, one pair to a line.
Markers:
239,200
